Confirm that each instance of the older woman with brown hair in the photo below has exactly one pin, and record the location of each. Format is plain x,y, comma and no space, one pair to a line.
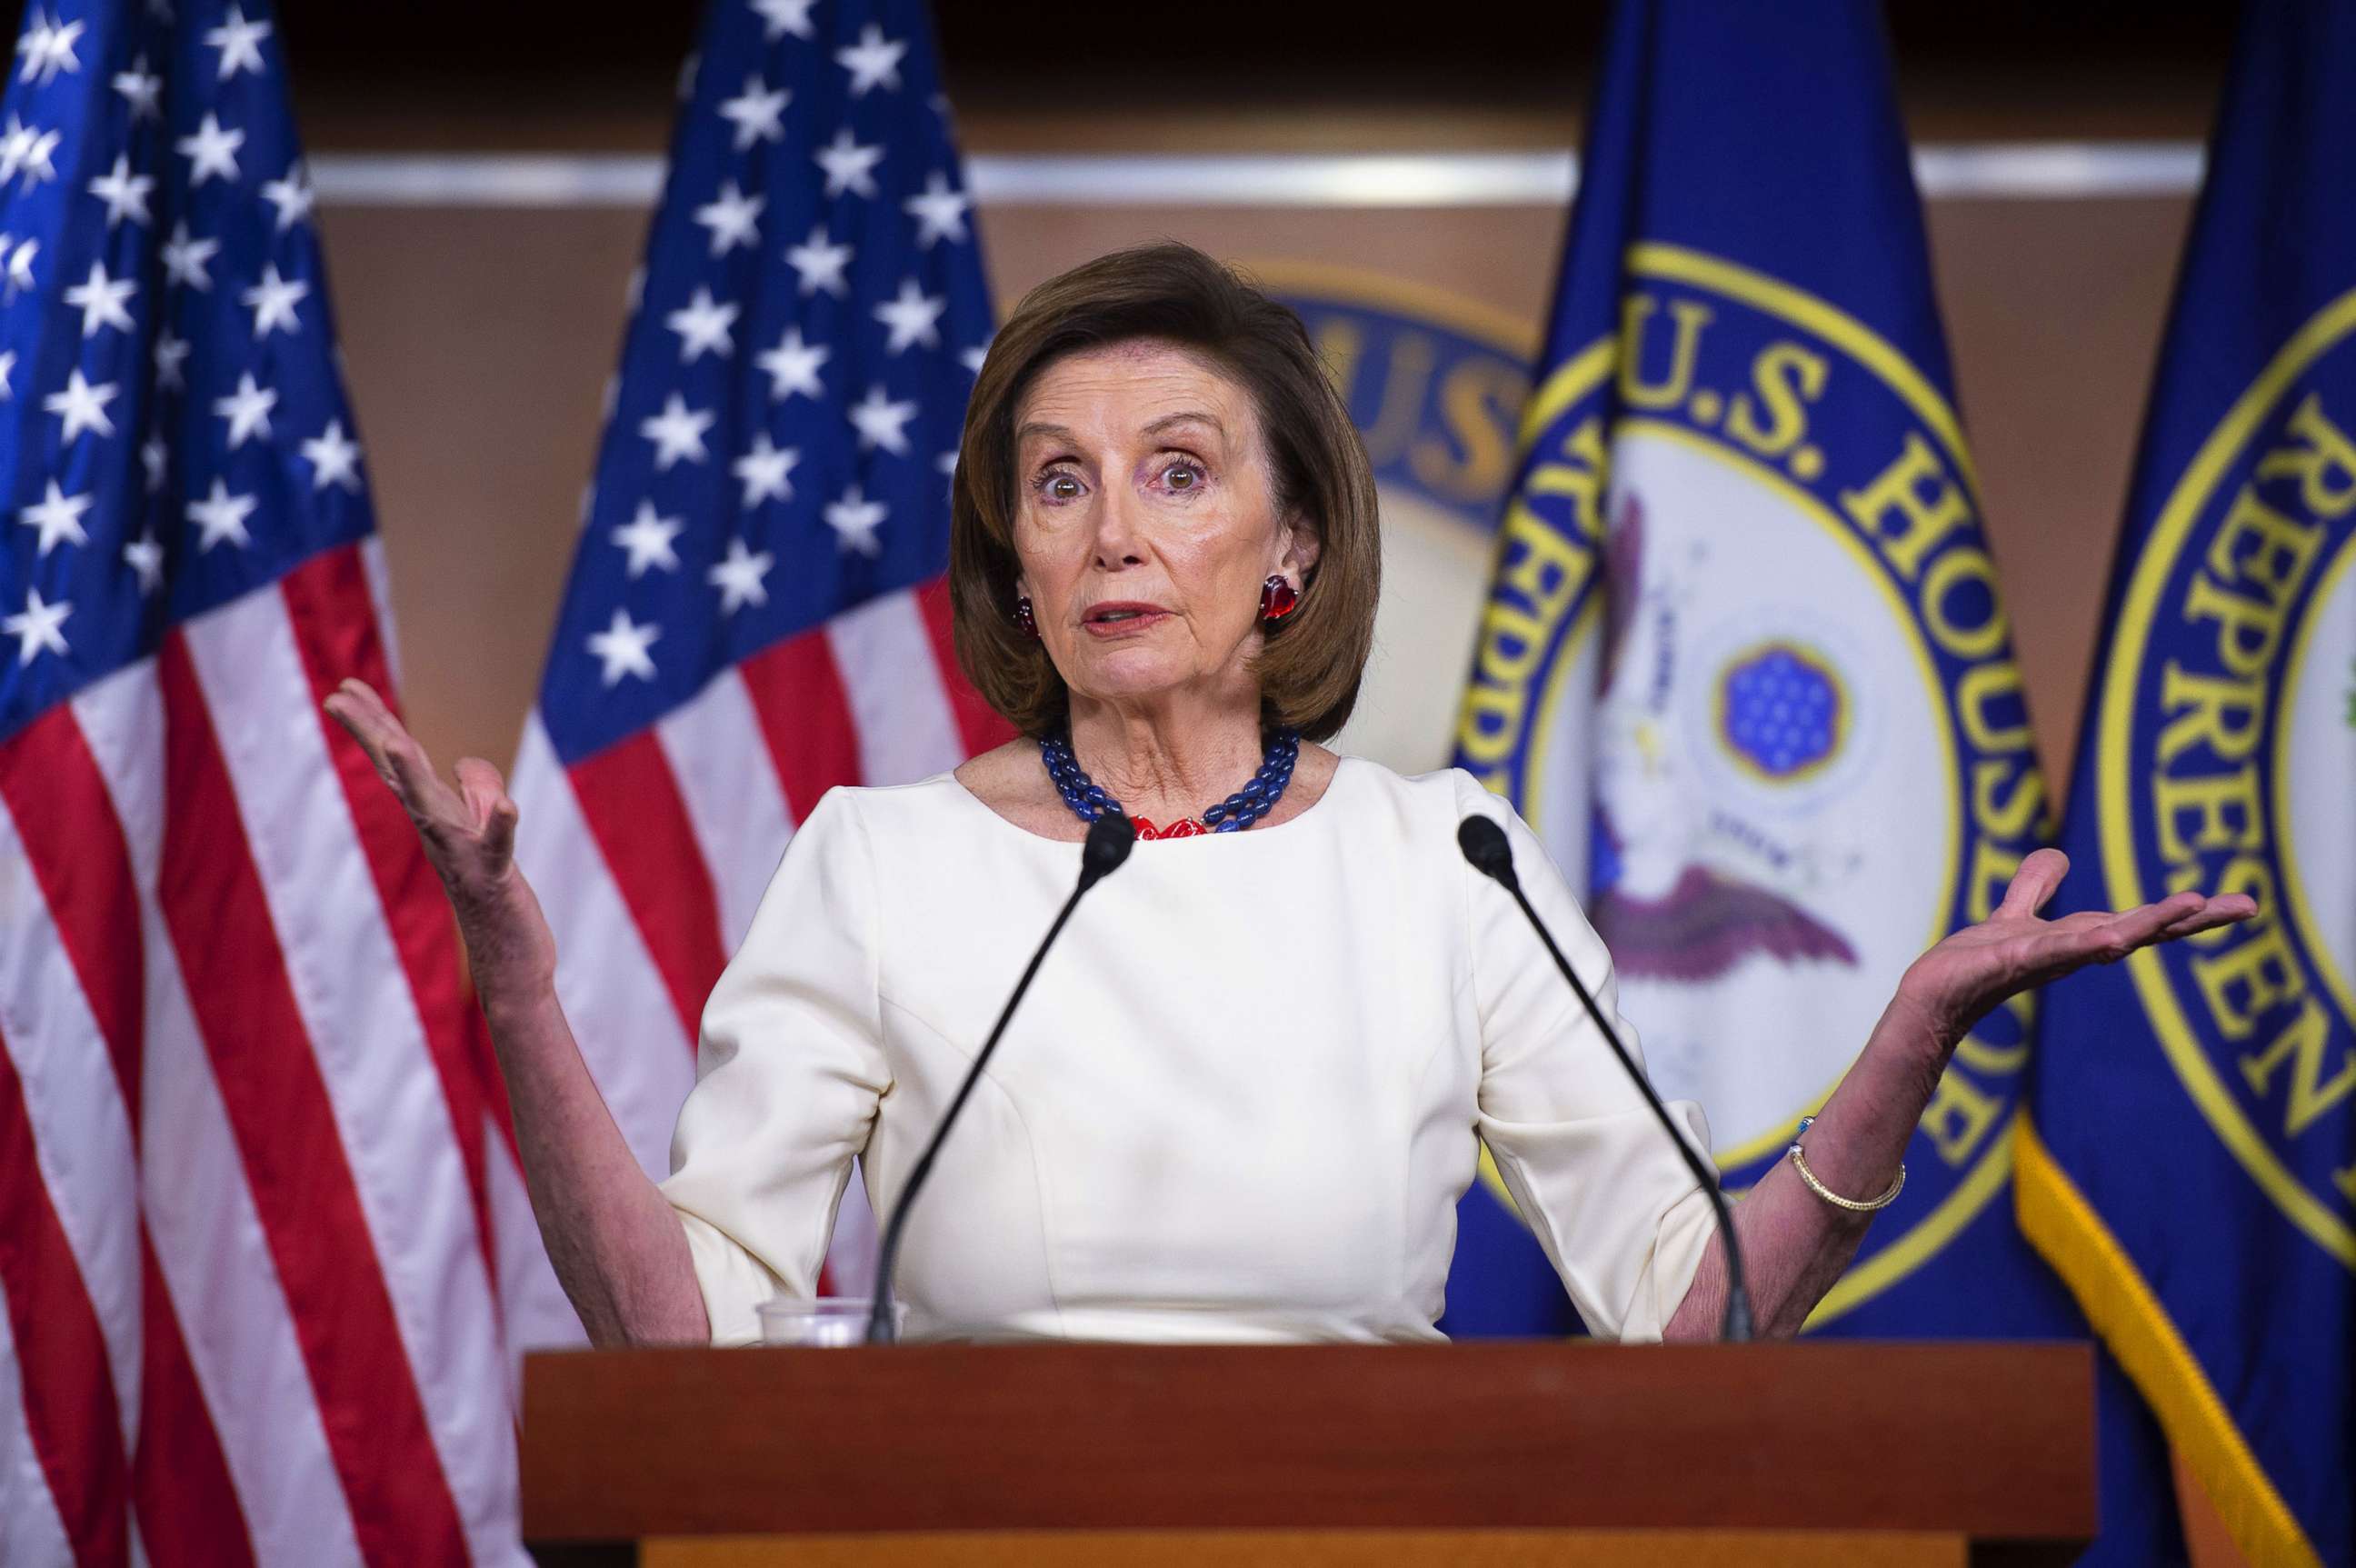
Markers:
1258,1072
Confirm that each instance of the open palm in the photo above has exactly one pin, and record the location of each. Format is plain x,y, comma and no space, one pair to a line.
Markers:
469,838
1965,977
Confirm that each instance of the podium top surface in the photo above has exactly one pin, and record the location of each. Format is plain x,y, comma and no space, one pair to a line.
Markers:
1995,1442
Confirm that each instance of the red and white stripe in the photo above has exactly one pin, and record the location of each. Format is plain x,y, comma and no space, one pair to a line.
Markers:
650,856
248,1154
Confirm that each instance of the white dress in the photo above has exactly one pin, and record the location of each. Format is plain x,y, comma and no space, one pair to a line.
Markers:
1239,1103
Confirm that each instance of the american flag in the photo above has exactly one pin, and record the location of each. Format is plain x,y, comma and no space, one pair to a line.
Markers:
757,611
244,1246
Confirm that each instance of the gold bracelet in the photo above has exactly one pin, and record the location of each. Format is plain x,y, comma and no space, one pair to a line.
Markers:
1800,1164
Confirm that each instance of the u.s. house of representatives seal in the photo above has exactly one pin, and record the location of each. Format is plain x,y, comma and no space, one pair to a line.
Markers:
1745,666
2227,762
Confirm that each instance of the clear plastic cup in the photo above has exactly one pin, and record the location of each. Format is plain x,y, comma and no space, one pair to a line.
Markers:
823,1321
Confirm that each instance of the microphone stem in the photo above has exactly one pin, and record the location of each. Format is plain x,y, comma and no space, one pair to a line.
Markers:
879,1327
1737,1327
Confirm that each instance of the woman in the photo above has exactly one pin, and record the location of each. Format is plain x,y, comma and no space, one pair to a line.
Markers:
1253,1078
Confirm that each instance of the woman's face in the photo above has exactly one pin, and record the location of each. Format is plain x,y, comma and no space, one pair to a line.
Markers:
1145,521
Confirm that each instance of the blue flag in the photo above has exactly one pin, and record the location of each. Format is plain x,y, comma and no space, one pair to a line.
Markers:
2192,1170
1745,666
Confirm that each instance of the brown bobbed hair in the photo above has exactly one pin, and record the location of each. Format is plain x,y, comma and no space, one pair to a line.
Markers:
1311,663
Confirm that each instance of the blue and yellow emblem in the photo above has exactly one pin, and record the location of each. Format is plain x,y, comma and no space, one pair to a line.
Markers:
2191,1170
1745,665
2226,760
1744,656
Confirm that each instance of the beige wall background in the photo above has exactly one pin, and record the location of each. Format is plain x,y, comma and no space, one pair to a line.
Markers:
477,342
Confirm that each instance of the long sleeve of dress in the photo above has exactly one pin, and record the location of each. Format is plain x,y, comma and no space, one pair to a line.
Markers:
789,1067
1619,1217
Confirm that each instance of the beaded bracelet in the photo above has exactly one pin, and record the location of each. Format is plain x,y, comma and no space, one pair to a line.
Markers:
1800,1162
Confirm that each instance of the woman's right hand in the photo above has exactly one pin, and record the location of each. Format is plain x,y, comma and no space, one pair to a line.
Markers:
616,1245
469,838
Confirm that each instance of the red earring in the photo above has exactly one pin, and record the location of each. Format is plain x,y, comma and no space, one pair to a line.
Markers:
1022,617
1276,598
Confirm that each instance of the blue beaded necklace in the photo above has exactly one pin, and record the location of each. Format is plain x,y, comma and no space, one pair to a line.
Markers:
1238,811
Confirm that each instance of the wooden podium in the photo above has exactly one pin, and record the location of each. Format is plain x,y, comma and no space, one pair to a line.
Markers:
1494,1453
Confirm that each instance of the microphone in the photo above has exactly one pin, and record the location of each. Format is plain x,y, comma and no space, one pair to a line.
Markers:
1485,844
1110,838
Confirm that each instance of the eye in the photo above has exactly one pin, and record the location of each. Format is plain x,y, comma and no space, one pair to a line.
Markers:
1184,475
1059,485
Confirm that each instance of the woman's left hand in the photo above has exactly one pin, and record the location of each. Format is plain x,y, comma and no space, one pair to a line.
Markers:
1973,972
